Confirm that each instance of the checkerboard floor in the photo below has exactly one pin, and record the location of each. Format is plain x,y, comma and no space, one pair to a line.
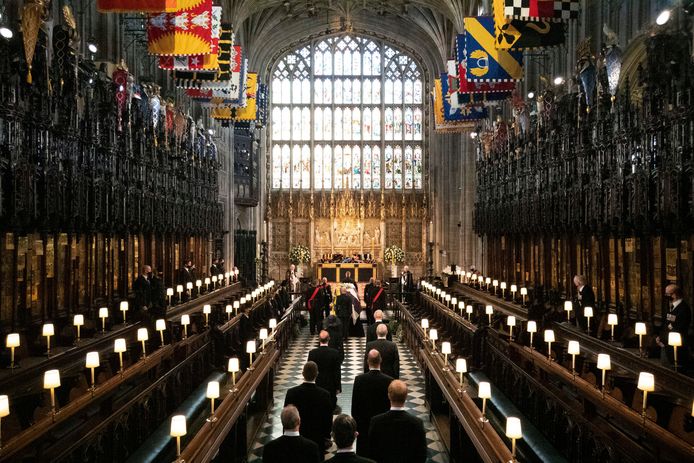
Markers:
289,375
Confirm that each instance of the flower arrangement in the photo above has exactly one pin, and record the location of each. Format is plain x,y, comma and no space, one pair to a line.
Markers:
299,254
394,254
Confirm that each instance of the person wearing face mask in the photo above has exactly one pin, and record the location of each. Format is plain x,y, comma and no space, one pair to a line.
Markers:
143,289
678,320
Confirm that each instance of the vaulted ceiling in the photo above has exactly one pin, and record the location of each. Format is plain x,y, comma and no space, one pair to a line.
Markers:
426,28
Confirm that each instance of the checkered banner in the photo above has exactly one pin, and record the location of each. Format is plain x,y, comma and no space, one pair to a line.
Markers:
557,10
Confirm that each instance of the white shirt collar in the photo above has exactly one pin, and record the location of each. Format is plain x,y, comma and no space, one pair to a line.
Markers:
291,433
349,450
676,303
580,288
397,408
309,382
374,369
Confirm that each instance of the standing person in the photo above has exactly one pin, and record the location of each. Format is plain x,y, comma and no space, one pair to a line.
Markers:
343,310
367,294
314,305
301,449
390,357
678,320
329,367
245,334
344,432
378,300
402,432
371,331
406,284
220,266
292,279
158,295
585,298
334,328
327,296
143,289
214,269
313,403
369,398
186,273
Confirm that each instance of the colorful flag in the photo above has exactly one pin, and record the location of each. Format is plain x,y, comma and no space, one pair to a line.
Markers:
518,34
453,112
250,111
190,63
534,10
483,61
441,125
185,32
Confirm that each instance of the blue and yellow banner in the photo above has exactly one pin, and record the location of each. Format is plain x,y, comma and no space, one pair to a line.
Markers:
483,61
452,111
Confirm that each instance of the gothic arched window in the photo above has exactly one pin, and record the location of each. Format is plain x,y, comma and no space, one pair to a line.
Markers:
347,112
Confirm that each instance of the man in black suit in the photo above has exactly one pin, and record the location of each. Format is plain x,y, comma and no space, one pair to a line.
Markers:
143,289
214,268
396,436
245,334
678,319
329,367
314,300
291,446
327,296
344,433
313,403
343,310
390,356
369,398
406,283
371,330
186,273
585,297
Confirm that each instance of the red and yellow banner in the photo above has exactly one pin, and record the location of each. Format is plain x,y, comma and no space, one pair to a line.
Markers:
145,6
185,32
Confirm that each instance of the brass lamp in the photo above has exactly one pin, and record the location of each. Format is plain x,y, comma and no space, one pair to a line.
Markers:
503,289
513,432
92,362
511,322
568,307
169,294
207,310
604,364
263,337
124,309
445,350
119,347
78,321
640,330
103,315
143,337
179,290
549,339
484,392
433,335
273,325
646,384
12,341
51,380
229,309
425,326
489,310
514,290
524,294
178,430
674,339
468,310
237,305
612,321
588,313
461,369
532,329
233,368
48,330
212,393
160,325
4,411
574,349
185,321
250,350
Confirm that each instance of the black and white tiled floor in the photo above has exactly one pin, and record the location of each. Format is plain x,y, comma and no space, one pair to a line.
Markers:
289,375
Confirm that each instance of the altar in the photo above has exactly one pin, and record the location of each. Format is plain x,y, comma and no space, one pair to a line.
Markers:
335,273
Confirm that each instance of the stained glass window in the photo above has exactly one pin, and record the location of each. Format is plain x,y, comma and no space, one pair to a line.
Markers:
347,112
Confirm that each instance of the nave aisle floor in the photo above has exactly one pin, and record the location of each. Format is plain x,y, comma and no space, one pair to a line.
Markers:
289,375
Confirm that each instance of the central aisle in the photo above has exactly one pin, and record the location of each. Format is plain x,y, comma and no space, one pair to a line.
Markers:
289,375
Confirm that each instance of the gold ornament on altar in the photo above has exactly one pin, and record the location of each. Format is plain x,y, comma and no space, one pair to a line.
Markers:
32,16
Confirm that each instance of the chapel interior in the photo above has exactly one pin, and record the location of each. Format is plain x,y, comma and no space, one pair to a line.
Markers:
195,195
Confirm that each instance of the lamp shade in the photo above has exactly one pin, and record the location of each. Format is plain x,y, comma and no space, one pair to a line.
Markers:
263,333
48,329
433,334
213,390
489,310
461,305
524,291
445,347
229,308
674,339
124,306
179,288
574,348
189,285
454,301
460,365
495,283
487,280
646,382
207,281
514,288
119,345
640,328
503,285
198,283
549,336
588,311
142,334
78,320
160,324
273,323
484,390
12,340
425,323
612,319
214,278
178,426
233,366
51,379
511,320
92,360
568,306
237,304
4,406
250,347
513,428
468,309
103,312
207,309
169,291
185,319
532,327
604,362
474,277
243,300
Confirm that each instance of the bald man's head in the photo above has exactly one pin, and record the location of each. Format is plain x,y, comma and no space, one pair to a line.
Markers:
397,393
378,315
382,330
374,359
324,337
